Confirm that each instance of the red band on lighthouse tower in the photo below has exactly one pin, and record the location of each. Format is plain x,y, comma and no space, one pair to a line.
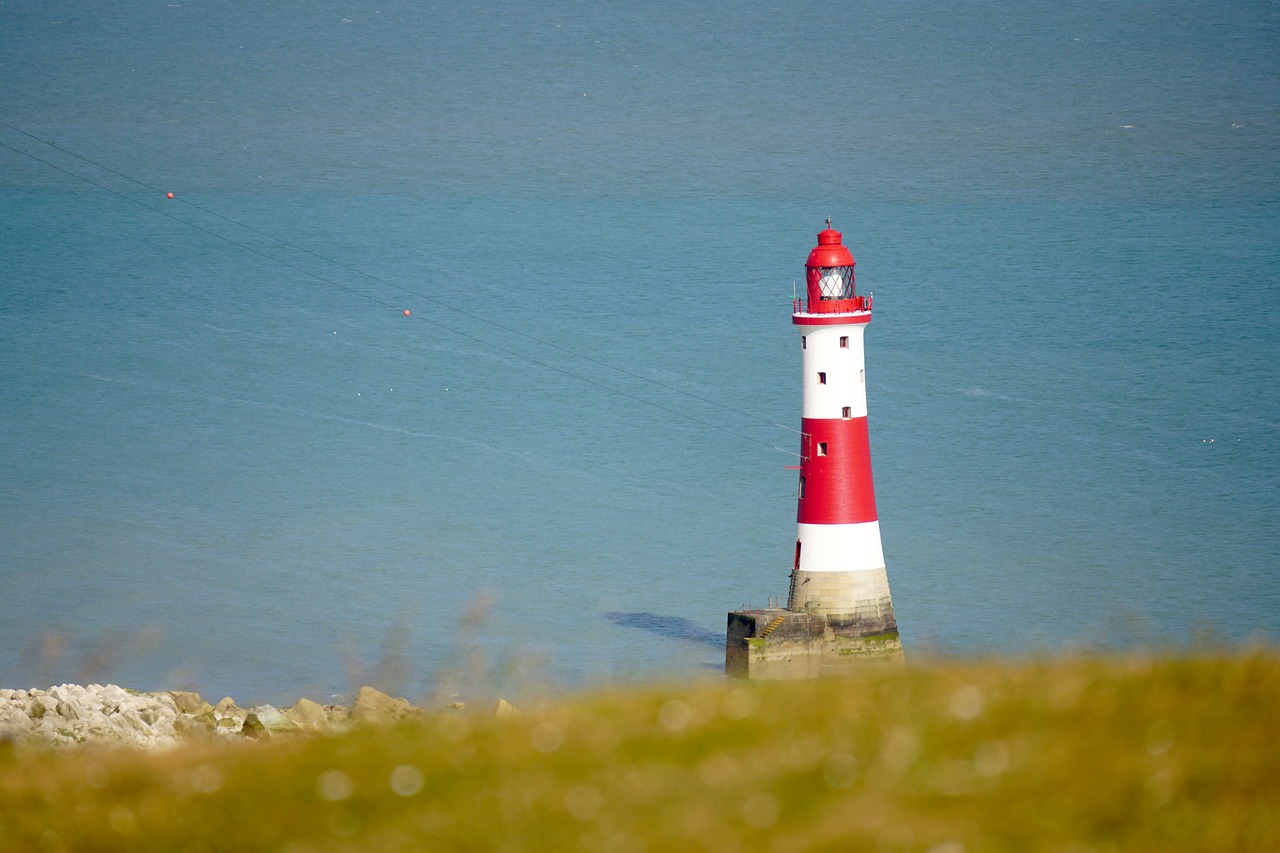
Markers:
836,470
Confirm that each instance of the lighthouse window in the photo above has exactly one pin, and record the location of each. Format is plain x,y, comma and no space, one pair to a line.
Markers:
822,378
804,342
862,376
822,448
802,486
846,412
844,341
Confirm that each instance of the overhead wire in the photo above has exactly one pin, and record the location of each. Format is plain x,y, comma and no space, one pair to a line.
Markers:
370,297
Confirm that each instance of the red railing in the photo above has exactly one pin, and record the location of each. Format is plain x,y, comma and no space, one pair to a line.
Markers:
859,303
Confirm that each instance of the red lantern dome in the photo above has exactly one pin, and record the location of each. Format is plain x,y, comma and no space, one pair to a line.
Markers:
829,276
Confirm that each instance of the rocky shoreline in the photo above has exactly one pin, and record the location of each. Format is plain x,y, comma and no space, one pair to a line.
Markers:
71,714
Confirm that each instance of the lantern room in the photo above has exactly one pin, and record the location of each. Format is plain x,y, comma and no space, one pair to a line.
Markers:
829,277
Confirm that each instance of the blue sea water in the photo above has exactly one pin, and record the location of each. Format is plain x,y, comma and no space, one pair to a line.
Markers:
229,461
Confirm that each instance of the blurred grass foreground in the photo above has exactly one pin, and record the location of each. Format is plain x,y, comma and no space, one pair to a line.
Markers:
1092,753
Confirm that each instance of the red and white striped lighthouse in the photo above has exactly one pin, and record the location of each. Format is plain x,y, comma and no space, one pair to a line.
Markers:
839,570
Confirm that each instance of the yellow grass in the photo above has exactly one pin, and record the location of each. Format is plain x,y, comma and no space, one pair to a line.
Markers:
1130,753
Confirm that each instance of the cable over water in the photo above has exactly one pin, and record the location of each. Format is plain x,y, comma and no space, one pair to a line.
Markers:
395,286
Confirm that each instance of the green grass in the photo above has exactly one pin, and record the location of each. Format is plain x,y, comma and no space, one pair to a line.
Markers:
1135,753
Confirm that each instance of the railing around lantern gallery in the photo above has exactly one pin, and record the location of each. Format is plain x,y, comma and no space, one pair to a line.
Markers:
857,303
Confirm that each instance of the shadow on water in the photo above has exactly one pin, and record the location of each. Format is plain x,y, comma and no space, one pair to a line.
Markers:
675,627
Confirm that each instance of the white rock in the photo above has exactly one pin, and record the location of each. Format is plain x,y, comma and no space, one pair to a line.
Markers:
112,697
308,714
266,721
69,714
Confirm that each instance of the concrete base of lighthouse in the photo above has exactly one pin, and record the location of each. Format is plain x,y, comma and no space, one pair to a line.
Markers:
856,604
776,645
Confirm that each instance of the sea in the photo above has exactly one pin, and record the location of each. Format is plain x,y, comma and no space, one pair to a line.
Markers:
460,361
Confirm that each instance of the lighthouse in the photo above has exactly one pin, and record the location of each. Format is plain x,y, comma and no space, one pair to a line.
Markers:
839,609
839,568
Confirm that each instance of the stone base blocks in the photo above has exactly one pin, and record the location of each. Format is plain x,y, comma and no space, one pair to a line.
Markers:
775,644
857,604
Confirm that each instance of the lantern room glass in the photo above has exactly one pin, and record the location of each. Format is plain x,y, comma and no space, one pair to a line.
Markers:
835,282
